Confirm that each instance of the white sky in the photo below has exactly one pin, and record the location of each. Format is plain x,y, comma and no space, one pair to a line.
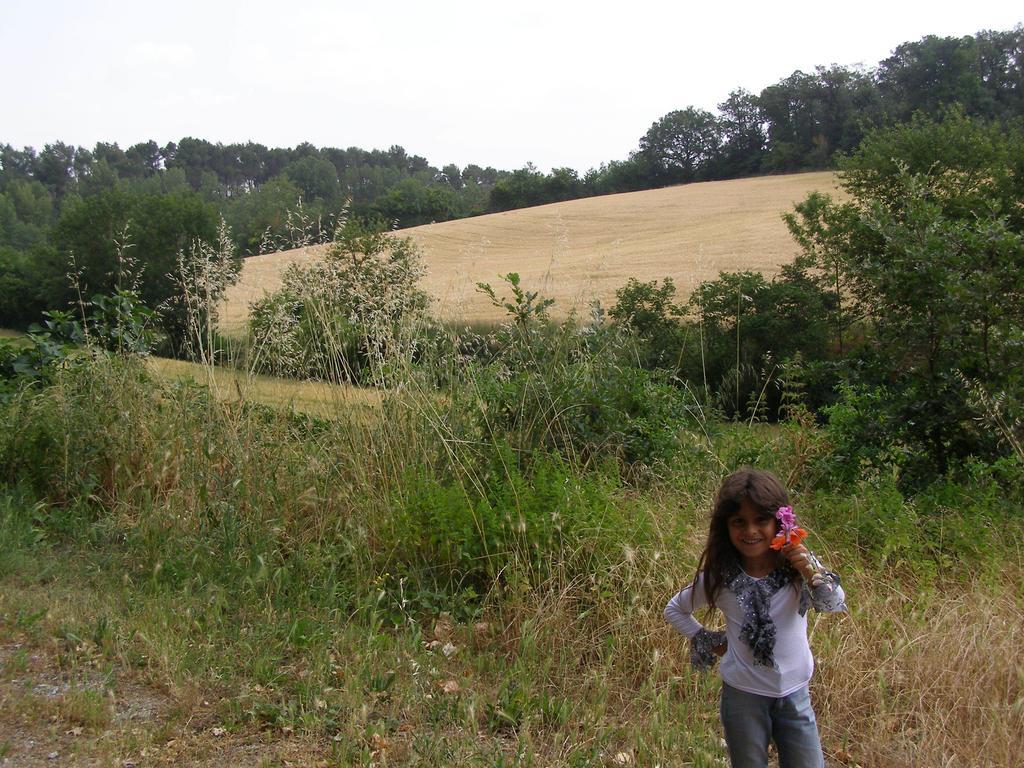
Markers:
557,83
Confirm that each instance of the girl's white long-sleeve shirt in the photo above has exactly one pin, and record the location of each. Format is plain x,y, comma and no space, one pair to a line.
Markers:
778,612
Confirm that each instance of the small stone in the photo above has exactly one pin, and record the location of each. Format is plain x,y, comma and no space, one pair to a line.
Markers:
53,756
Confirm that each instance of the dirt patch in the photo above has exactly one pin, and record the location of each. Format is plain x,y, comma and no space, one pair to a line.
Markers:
60,709
53,712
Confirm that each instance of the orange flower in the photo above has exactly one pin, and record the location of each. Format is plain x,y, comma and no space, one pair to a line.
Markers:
794,536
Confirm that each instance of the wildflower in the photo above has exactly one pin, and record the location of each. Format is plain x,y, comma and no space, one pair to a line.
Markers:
789,531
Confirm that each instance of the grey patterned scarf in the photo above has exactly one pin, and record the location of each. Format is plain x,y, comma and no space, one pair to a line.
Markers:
754,597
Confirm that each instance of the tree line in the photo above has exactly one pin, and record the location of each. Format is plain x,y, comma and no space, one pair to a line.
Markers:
66,201
899,324
802,122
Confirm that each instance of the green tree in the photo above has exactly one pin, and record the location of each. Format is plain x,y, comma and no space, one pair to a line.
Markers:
86,234
316,178
145,158
452,176
931,250
932,73
638,172
29,279
92,232
522,188
563,184
26,214
1001,66
56,167
744,141
683,143
826,233
17,163
968,164
412,202
259,219
810,117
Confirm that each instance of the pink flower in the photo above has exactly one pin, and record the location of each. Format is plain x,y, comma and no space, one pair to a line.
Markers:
789,531
786,518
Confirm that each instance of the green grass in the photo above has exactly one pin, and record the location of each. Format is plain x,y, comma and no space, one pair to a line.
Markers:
240,574
532,678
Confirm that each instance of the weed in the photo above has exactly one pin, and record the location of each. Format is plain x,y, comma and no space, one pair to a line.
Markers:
298,570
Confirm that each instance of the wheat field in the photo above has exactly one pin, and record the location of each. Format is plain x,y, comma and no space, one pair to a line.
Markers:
581,250
315,398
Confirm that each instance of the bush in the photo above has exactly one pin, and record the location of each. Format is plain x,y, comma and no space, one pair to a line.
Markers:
571,388
346,318
36,357
949,528
928,255
585,410
302,337
748,326
649,311
506,521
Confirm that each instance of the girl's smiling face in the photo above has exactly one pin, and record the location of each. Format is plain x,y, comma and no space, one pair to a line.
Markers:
751,531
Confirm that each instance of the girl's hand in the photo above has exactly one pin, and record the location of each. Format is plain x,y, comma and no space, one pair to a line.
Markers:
719,650
800,558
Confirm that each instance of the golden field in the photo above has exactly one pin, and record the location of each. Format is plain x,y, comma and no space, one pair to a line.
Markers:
581,250
315,398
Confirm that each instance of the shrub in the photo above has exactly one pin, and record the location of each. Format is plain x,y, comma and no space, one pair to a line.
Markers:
929,253
747,326
950,527
345,318
572,388
649,311
505,520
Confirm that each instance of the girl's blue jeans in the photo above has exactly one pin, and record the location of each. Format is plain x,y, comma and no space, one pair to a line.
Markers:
751,721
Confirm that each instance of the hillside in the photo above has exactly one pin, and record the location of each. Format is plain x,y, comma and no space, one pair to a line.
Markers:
584,249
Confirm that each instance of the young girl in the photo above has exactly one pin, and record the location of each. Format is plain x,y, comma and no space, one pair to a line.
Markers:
764,595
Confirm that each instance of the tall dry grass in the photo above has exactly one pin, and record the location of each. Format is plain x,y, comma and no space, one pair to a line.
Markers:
934,678
282,556
923,671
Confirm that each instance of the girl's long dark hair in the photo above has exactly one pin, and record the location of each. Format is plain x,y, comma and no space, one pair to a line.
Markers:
764,491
